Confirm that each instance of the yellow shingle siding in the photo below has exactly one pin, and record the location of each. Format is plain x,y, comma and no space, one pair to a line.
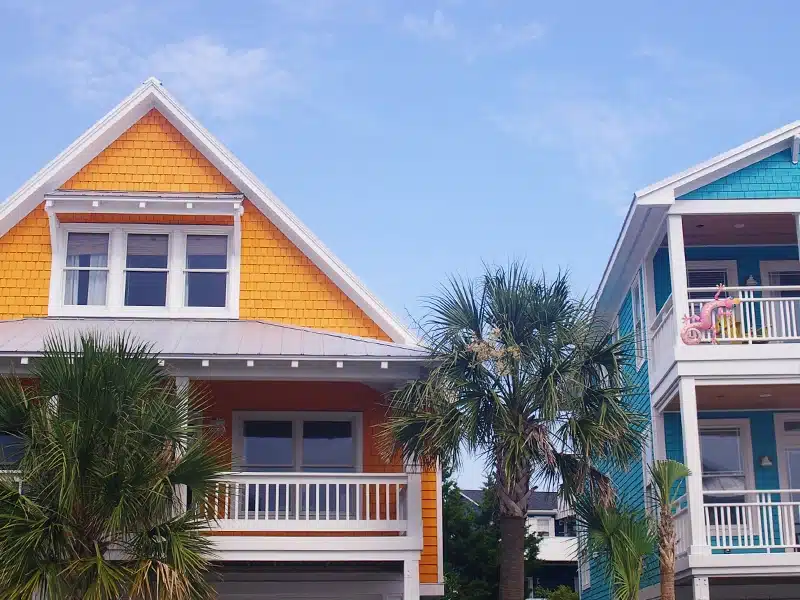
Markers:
152,156
280,283
25,257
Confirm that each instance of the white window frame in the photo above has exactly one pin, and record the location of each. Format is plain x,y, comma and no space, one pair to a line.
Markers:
766,267
729,266
637,309
176,277
745,442
585,572
297,418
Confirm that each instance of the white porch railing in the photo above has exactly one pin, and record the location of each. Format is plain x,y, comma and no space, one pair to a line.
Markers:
663,334
683,530
764,314
766,520
313,502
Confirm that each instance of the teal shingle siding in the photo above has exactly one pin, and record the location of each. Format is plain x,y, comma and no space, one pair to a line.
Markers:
748,260
629,483
762,432
772,177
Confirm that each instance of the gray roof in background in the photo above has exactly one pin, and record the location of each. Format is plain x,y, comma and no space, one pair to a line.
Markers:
178,338
544,501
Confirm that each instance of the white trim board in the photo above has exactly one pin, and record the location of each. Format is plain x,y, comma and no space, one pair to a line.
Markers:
151,94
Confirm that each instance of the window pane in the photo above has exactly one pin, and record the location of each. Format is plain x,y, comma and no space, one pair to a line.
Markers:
328,444
147,251
11,449
206,252
268,444
720,451
145,288
87,250
206,289
706,278
85,288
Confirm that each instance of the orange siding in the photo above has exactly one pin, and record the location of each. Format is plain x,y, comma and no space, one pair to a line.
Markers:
25,267
151,156
278,282
228,396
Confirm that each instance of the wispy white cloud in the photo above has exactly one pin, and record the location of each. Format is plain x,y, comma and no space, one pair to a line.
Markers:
106,54
435,27
610,131
472,43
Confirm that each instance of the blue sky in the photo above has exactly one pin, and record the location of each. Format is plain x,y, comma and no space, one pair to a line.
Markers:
420,138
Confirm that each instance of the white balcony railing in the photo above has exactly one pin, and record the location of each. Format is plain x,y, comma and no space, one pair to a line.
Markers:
663,334
683,530
766,520
314,502
763,314
744,521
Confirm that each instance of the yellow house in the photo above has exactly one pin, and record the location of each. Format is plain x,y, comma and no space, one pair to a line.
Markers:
148,224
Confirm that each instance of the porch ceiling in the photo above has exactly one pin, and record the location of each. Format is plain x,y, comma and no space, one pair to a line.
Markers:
744,397
700,230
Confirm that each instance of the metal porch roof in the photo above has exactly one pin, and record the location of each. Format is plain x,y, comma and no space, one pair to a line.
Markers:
185,338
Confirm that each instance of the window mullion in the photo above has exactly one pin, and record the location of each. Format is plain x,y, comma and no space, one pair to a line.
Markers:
176,263
297,433
116,269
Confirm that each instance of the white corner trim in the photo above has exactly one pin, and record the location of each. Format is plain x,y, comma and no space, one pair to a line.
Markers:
151,95
431,589
795,148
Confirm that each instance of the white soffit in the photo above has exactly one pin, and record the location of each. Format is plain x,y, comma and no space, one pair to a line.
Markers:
151,94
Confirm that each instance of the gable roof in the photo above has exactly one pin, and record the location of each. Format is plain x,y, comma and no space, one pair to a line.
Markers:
650,205
152,95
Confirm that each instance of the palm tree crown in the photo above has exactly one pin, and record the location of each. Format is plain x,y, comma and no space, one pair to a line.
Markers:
527,377
107,443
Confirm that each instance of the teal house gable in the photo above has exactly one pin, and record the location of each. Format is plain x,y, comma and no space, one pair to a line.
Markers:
773,177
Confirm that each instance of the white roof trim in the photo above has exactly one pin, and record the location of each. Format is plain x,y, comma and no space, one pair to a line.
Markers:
663,193
730,161
151,94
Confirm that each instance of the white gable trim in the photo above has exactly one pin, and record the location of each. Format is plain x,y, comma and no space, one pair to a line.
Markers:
719,166
149,95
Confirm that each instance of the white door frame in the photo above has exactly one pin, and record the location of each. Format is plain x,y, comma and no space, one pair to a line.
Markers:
766,267
785,441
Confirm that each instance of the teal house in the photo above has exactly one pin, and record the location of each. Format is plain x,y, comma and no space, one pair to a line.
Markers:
717,371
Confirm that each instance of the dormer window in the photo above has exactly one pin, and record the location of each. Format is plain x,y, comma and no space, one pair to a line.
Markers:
144,270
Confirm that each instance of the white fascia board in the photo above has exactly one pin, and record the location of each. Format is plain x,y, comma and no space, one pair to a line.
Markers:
725,163
150,95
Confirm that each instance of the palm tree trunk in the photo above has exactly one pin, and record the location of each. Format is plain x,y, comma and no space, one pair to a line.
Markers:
512,558
667,581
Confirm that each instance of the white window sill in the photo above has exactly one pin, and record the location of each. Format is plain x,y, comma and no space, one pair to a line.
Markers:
144,312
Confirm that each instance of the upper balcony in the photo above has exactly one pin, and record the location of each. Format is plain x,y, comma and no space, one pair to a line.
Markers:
755,256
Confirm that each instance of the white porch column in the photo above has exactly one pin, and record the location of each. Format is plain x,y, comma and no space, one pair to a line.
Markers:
411,579
700,589
182,386
414,504
691,458
677,269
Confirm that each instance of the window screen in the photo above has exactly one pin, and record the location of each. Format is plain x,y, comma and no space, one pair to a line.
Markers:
705,278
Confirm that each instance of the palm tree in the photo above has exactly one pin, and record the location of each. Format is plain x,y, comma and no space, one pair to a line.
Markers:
107,442
666,476
622,537
526,376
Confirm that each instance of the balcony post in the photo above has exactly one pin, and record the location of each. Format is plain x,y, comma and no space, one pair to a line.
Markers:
677,269
691,457
414,503
182,387
700,588
411,589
